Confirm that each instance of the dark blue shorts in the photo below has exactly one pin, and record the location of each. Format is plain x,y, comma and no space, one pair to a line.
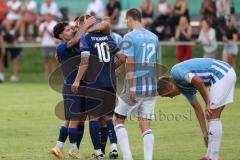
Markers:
101,103
74,107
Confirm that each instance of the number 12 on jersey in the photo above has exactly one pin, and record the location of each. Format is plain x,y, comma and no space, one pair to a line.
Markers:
148,51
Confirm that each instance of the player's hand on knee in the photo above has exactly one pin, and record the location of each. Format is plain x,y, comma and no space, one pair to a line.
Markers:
74,87
208,112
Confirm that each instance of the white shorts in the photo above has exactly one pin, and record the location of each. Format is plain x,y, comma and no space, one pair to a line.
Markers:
222,92
230,49
144,108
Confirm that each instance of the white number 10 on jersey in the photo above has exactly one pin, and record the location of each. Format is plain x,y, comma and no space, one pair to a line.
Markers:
103,52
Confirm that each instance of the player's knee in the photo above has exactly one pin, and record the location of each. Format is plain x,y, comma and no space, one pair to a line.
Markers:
118,119
216,113
66,124
74,124
144,126
102,122
93,117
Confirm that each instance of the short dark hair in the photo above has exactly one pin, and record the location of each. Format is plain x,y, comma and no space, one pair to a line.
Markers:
135,14
58,29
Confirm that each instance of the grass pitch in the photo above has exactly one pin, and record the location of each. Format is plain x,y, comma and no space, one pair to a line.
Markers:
29,127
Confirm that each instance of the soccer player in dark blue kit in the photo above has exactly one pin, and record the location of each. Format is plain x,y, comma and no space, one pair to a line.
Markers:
65,51
97,70
67,54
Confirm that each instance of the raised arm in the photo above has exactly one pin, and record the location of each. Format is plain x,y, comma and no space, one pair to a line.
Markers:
89,22
103,26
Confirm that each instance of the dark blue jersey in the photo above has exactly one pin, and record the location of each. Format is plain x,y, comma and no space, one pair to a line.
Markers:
101,49
69,58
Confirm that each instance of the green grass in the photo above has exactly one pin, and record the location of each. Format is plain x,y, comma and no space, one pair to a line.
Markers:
29,127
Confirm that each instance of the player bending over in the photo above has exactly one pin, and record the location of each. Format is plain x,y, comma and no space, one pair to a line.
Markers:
198,74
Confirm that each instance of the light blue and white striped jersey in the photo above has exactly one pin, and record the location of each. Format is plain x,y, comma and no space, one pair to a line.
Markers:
143,46
209,70
117,38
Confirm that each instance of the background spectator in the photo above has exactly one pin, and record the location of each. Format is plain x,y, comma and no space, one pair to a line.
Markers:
147,9
15,56
208,12
230,38
14,13
223,8
160,23
48,43
28,18
50,7
180,8
183,34
113,10
3,11
207,38
97,7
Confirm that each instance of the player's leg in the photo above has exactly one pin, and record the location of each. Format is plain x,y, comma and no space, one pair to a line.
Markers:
119,118
80,133
112,136
95,134
221,93
94,127
73,134
146,114
148,138
76,125
104,134
57,151
214,133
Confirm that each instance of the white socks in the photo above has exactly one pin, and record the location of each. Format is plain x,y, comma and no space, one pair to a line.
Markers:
214,138
74,146
98,152
60,144
148,140
113,146
122,137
